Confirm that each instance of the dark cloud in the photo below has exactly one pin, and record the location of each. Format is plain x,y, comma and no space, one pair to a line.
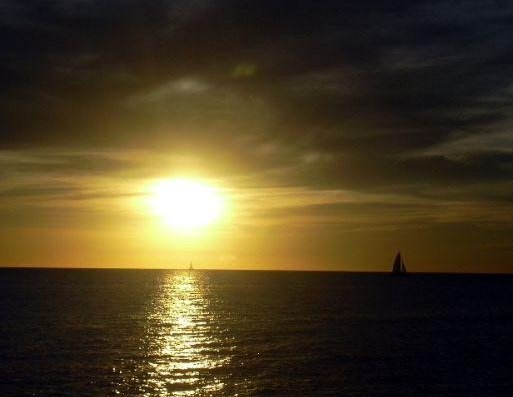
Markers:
384,68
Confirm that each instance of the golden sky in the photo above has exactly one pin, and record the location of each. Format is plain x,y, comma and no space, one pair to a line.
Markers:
83,219
334,134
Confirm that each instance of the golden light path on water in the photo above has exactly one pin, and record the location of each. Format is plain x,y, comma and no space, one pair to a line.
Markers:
186,344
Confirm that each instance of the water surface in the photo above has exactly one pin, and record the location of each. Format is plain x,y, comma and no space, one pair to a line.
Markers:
227,333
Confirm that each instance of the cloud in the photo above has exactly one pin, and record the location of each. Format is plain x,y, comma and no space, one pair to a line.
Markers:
469,145
170,90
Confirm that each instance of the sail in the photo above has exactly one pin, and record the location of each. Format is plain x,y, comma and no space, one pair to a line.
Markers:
403,267
397,264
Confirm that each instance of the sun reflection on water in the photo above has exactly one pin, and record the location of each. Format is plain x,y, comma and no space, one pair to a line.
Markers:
187,348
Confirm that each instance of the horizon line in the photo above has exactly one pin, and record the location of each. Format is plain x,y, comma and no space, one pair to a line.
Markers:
24,267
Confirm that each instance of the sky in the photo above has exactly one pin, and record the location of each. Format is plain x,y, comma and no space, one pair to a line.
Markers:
338,132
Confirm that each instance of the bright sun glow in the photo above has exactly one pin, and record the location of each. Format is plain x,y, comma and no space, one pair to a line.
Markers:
186,204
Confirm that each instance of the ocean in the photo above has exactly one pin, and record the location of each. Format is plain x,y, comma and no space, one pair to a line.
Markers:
253,333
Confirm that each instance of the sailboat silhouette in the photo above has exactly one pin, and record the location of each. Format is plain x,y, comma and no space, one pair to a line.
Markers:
399,268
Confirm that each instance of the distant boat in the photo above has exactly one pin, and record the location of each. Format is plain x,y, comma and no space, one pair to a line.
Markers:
399,269
190,266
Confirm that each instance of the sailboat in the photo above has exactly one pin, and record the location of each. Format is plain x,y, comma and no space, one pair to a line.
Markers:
190,266
399,269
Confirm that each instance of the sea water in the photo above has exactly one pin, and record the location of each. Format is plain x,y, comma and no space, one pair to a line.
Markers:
247,333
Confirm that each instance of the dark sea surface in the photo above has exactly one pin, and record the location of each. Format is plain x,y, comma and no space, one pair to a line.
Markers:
245,333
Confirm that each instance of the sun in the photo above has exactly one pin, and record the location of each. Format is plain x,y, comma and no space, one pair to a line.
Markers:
186,204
